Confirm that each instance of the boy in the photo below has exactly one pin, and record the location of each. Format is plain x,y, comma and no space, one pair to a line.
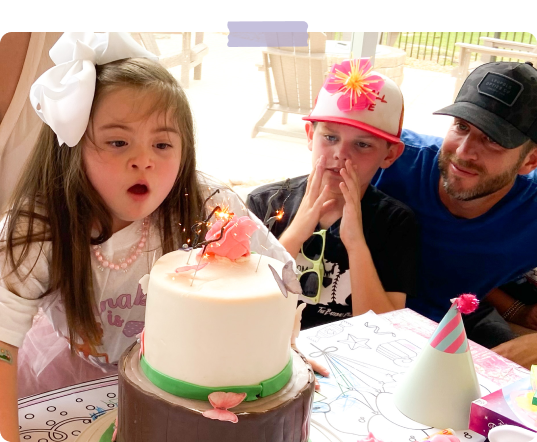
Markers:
369,240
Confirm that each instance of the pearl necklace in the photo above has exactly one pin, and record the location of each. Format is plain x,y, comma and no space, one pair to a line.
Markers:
123,263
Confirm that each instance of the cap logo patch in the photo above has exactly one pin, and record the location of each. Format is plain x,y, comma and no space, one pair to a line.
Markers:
500,87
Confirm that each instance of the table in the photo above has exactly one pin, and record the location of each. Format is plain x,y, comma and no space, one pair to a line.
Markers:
61,415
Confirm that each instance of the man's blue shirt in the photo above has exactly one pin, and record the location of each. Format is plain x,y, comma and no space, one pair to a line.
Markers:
460,255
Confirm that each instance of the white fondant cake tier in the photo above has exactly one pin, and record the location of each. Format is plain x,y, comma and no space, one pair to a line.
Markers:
230,327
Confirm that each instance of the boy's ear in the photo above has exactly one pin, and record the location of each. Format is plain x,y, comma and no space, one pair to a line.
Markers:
309,133
529,164
394,151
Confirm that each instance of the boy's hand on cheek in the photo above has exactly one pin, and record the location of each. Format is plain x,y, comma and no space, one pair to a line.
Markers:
316,202
351,229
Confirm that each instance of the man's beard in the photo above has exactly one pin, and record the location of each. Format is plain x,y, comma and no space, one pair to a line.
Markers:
487,185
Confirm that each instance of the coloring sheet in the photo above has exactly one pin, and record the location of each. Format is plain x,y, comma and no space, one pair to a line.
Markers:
366,357
61,415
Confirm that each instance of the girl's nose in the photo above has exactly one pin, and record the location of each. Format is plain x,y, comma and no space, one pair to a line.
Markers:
142,159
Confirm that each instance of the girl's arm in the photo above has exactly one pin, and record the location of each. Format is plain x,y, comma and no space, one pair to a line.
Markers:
9,417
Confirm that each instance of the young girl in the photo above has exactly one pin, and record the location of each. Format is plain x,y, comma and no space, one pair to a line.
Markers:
94,209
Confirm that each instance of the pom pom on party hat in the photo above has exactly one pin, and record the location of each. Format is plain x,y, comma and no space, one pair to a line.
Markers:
450,336
440,386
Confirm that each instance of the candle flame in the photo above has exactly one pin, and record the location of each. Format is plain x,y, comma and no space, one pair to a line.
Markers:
224,214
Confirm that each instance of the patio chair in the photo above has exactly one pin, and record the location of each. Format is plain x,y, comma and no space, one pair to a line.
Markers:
491,47
189,57
298,74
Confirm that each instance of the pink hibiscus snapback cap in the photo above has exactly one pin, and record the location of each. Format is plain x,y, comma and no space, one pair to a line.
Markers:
355,95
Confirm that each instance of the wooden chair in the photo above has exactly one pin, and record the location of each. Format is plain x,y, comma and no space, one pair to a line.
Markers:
189,57
491,47
507,44
298,74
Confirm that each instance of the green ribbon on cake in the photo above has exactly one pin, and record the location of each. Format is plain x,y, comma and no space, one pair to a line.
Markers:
193,391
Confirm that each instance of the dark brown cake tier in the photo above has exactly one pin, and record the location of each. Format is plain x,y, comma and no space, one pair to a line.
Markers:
149,414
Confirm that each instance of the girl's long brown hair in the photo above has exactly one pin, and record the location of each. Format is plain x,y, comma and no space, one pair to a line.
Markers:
54,200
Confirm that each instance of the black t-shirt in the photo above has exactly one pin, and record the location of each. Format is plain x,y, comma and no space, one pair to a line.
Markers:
390,231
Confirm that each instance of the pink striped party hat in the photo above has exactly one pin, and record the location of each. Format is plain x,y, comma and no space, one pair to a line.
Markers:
440,385
450,336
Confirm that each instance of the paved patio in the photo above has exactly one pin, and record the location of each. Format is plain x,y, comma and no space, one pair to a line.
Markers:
231,96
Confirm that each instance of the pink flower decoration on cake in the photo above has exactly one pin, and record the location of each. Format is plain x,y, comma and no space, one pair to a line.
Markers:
222,402
235,242
354,80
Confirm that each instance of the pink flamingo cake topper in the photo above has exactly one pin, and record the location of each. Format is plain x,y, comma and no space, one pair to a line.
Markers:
223,215
229,237
234,243
222,402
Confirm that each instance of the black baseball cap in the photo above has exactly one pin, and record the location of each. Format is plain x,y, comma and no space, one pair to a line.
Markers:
500,99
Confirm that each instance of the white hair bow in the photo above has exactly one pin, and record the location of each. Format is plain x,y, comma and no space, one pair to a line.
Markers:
63,95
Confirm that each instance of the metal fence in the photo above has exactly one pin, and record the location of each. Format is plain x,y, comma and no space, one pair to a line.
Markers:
440,46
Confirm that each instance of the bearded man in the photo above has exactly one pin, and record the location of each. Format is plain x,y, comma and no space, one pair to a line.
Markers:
474,194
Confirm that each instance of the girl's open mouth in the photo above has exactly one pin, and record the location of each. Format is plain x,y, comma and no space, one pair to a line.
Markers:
138,189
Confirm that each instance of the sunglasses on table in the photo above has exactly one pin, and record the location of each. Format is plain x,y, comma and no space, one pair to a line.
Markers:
311,279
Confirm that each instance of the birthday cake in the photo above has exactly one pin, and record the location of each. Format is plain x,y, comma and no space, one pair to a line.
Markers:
214,362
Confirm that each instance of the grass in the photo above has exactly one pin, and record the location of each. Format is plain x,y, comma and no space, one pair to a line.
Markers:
440,46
